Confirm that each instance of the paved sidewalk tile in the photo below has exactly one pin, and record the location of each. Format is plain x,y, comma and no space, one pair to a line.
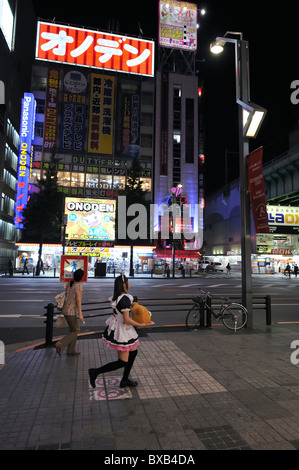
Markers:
209,389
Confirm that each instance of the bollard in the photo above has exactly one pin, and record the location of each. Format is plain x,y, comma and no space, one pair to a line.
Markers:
49,324
201,313
208,313
268,310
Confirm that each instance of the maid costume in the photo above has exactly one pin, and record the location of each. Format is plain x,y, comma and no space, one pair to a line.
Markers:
118,335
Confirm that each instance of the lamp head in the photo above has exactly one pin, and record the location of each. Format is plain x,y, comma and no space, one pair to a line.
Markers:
216,47
253,116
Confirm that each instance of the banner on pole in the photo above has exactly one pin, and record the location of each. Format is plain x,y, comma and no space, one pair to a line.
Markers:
257,190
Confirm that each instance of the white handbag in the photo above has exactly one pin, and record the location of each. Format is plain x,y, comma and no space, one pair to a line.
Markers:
60,299
61,321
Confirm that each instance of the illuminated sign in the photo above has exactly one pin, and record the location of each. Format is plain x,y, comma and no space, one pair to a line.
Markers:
283,215
178,25
88,48
69,264
51,114
100,136
90,219
25,156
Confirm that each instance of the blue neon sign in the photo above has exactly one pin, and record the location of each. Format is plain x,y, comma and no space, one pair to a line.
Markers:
25,156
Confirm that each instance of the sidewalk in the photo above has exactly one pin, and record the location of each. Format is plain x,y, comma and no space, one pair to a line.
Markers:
209,389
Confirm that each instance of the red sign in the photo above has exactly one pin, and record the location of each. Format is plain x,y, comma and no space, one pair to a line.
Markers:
257,190
282,251
87,48
69,264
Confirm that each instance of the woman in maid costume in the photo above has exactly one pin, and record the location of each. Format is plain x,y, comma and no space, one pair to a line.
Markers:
120,334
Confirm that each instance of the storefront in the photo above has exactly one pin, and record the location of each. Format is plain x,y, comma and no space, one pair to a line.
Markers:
187,259
50,256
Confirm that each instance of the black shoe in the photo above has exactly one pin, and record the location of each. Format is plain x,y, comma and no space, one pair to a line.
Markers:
128,383
92,377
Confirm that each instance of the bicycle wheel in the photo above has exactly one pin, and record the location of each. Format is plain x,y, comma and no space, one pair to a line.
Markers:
234,316
192,318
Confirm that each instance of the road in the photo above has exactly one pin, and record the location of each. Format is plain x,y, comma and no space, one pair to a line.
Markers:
23,300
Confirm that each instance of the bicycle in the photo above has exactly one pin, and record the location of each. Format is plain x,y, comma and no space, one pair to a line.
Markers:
233,315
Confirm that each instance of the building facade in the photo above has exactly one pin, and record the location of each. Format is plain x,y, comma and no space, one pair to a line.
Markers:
17,39
273,251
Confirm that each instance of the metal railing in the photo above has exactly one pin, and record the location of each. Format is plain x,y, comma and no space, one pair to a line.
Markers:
154,305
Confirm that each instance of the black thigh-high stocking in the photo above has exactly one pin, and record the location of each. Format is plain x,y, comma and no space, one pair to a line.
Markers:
129,364
93,373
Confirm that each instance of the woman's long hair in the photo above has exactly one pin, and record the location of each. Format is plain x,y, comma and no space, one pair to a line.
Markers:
78,274
119,283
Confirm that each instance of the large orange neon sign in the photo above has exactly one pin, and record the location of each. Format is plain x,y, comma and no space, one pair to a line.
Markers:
88,48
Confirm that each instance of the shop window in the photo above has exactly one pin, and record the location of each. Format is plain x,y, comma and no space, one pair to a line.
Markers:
105,182
64,178
119,182
77,180
92,180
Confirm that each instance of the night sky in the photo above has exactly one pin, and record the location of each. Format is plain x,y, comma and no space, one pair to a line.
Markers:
272,32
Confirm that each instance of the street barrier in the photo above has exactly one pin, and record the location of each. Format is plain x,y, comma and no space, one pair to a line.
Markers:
258,303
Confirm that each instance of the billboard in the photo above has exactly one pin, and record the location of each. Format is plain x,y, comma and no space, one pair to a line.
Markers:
25,156
90,219
51,114
100,135
89,48
73,113
178,25
128,118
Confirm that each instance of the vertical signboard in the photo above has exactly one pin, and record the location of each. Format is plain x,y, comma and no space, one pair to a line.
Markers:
178,25
256,186
100,135
164,126
25,156
128,118
51,115
73,113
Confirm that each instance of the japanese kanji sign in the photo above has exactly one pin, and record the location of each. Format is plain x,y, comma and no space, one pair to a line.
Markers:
73,114
100,136
25,156
177,25
51,115
88,48
128,118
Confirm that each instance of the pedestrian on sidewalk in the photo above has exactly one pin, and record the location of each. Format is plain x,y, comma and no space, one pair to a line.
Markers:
25,267
120,334
228,269
71,308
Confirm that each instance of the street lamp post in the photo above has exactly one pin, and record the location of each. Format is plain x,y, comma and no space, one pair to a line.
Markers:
246,119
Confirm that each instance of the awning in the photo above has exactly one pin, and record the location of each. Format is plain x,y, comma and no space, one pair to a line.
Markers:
167,253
